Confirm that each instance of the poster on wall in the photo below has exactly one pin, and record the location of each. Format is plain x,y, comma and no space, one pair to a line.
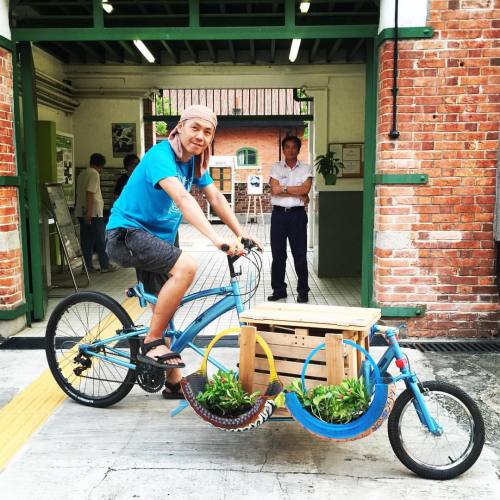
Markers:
124,139
66,165
254,184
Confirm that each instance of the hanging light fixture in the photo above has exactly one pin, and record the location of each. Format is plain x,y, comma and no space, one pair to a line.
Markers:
304,7
107,7
144,51
294,49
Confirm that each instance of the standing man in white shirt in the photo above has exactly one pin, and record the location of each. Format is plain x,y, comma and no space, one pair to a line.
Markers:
89,210
291,181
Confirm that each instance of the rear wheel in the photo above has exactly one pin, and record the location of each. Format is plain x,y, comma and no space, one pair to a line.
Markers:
449,454
85,318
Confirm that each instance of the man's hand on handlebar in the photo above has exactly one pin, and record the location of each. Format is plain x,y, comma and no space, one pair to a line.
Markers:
250,242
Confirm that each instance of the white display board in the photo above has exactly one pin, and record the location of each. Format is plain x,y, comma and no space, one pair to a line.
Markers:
254,184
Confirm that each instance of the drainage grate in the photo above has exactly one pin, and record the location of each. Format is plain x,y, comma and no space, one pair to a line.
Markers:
454,346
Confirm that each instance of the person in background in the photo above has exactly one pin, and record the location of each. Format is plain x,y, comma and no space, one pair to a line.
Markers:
89,208
291,181
129,163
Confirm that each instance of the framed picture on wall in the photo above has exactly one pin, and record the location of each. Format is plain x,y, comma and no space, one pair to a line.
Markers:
65,159
351,155
124,139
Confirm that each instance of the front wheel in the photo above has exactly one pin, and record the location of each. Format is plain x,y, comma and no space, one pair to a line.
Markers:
430,456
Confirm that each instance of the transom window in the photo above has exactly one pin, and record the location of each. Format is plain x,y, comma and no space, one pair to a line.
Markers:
246,157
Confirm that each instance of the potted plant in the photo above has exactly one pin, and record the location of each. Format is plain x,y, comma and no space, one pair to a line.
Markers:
224,395
329,167
334,404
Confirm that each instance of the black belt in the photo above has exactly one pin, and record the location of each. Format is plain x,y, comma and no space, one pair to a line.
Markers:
276,208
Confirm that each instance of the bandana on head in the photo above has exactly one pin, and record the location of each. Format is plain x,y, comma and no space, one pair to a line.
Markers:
195,111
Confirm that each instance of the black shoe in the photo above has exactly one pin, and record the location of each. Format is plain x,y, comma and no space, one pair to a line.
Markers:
276,296
302,298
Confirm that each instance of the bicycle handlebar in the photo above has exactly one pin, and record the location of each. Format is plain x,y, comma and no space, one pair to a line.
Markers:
247,243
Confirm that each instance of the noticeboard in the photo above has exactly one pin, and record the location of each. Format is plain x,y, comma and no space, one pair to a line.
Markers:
67,233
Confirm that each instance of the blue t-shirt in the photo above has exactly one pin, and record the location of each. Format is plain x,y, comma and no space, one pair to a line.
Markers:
144,204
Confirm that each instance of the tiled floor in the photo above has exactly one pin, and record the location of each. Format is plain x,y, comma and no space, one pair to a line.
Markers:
213,272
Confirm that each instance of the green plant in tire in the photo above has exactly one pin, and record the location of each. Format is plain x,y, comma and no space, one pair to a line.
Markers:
224,395
335,404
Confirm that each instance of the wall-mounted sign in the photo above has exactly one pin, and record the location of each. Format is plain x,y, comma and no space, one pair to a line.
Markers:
66,165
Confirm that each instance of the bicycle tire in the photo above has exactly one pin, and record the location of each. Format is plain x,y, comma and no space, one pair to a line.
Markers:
85,316
468,431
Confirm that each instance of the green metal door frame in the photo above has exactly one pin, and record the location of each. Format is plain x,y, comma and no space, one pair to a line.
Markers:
35,281
24,37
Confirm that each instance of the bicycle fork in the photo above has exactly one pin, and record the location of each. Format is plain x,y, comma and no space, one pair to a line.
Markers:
412,384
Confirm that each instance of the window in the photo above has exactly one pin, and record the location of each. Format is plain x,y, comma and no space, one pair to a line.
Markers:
246,157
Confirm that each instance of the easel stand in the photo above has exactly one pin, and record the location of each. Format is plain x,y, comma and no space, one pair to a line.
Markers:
252,201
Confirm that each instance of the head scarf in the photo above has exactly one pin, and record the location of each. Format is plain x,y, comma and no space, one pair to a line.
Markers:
195,111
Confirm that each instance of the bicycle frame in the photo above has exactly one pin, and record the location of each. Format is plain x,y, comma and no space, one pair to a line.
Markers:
180,339
394,353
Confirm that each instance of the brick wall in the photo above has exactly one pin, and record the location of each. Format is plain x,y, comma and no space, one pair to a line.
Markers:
11,276
434,243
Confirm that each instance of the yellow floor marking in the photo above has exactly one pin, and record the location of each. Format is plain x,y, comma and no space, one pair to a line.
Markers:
29,410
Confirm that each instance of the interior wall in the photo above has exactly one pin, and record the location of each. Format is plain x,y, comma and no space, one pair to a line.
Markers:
92,127
52,67
112,94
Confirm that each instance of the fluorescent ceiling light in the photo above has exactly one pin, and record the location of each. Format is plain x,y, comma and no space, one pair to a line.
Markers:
107,6
144,51
294,49
304,7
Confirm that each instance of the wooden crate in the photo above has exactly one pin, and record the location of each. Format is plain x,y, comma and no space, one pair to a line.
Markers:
292,331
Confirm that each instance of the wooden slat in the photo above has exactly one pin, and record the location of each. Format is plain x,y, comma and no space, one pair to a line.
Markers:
292,352
308,315
292,368
247,356
334,359
307,341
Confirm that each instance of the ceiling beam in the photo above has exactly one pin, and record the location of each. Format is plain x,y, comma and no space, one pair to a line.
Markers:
351,53
170,51
211,49
252,52
200,33
314,50
132,52
194,55
232,51
333,50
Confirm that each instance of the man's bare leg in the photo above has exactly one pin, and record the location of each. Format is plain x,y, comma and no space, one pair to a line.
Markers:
180,278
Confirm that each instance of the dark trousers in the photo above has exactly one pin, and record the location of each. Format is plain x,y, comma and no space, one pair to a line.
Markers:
291,225
92,235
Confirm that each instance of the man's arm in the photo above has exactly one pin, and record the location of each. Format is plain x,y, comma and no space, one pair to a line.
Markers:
303,189
221,207
190,209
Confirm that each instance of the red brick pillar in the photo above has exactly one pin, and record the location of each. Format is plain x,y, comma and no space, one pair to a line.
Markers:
11,272
434,243
149,127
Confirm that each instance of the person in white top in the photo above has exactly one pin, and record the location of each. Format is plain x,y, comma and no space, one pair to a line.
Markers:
89,208
291,181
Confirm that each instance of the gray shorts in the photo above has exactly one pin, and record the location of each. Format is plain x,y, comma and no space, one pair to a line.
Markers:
152,257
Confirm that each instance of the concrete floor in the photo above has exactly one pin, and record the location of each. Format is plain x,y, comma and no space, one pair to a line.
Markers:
136,450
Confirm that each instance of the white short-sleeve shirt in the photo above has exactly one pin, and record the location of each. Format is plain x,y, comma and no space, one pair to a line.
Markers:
287,176
89,180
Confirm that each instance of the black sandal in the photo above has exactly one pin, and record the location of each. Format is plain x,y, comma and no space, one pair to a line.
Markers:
158,361
174,391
